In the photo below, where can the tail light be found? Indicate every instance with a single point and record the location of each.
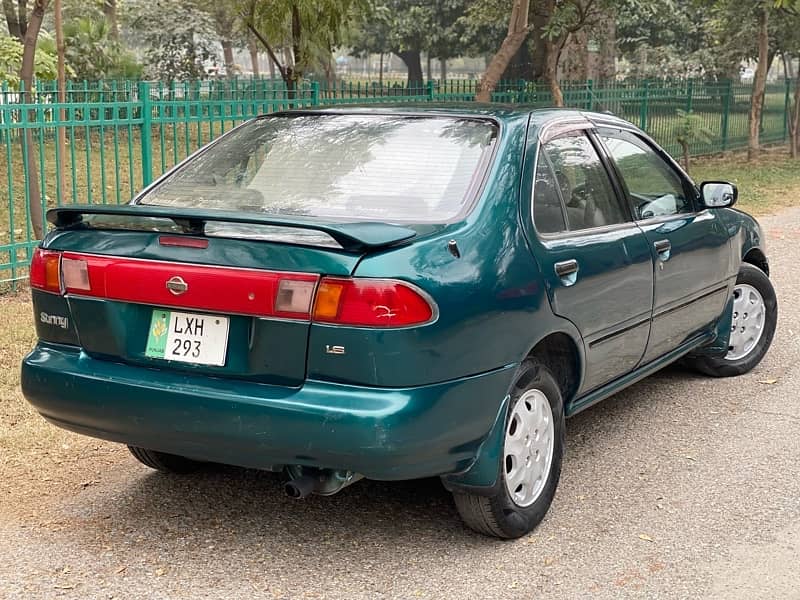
(381, 303)
(45, 270)
(371, 303)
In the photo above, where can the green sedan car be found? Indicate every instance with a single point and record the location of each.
(393, 293)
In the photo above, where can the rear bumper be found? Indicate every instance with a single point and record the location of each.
(381, 433)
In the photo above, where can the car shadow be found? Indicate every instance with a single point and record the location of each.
(221, 505)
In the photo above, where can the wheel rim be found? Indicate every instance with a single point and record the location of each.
(749, 316)
(528, 447)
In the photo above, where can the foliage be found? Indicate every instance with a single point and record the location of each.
(92, 53)
(176, 36)
(401, 26)
(690, 129)
(11, 60)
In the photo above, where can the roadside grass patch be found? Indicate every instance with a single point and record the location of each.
(22, 430)
(767, 184)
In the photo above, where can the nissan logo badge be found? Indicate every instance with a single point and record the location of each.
(177, 285)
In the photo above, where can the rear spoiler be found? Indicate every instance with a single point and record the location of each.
(352, 237)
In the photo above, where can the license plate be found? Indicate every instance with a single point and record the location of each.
(188, 337)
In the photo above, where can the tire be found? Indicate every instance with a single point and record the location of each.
(735, 363)
(503, 514)
(161, 461)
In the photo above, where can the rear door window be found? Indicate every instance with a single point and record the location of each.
(548, 211)
(586, 190)
(339, 167)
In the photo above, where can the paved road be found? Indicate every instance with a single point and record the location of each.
(679, 487)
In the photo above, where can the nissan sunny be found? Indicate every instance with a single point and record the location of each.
(393, 293)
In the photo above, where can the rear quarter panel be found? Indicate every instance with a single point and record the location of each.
(492, 305)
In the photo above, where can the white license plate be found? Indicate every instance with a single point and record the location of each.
(188, 337)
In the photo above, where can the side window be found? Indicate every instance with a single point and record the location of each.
(589, 199)
(656, 190)
(548, 215)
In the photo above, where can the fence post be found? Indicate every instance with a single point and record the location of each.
(786, 105)
(431, 90)
(643, 109)
(726, 111)
(689, 95)
(589, 94)
(146, 135)
(315, 93)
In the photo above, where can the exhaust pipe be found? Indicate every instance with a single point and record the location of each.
(301, 487)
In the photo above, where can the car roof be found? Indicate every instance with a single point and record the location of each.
(501, 112)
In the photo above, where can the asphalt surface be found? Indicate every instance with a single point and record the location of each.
(679, 487)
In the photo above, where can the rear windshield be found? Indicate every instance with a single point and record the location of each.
(338, 167)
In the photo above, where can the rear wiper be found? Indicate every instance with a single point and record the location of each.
(352, 237)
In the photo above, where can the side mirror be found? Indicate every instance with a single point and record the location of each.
(718, 194)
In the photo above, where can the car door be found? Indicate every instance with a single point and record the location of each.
(690, 247)
(596, 262)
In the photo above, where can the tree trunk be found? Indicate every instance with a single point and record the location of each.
(685, 152)
(607, 69)
(22, 18)
(252, 47)
(794, 121)
(12, 20)
(443, 68)
(61, 134)
(26, 76)
(553, 48)
(300, 62)
(551, 73)
(110, 13)
(576, 57)
(518, 30)
(413, 62)
(759, 82)
(227, 54)
(539, 43)
(380, 72)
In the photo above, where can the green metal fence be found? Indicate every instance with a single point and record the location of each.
(122, 135)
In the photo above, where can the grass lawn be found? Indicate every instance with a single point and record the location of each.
(767, 184)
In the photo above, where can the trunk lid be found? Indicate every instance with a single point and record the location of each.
(207, 301)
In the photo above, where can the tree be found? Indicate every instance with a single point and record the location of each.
(311, 29)
(690, 130)
(551, 24)
(225, 15)
(786, 30)
(11, 61)
(110, 13)
(177, 37)
(759, 81)
(93, 53)
(408, 28)
(518, 30)
(16, 18)
(25, 28)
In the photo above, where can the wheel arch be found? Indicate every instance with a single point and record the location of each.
(758, 259)
(563, 355)
(561, 350)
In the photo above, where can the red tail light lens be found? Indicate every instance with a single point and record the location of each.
(46, 270)
(371, 303)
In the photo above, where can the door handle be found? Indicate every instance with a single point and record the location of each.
(567, 271)
(663, 248)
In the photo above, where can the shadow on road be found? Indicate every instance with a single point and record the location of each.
(226, 505)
